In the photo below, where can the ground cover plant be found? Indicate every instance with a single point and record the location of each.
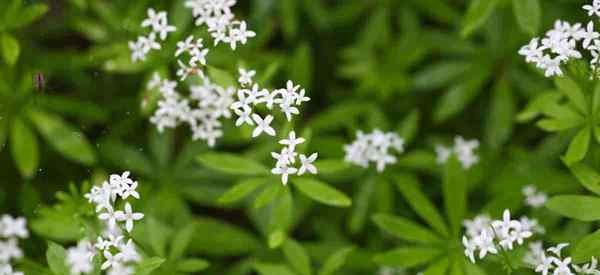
(299, 137)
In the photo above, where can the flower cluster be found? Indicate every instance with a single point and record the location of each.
(464, 150)
(118, 253)
(555, 263)
(488, 236)
(287, 99)
(197, 56)
(287, 157)
(221, 22)
(561, 44)
(533, 197)
(374, 147)
(202, 110)
(157, 21)
(11, 229)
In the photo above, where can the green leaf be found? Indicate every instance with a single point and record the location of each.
(578, 207)
(360, 207)
(272, 269)
(147, 266)
(221, 77)
(28, 15)
(578, 147)
(455, 194)
(477, 14)
(500, 122)
(596, 102)
(3, 133)
(301, 65)
(241, 190)
(440, 74)
(217, 238)
(586, 248)
(528, 14)
(181, 241)
(462, 93)
(587, 176)
(572, 91)
(409, 187)
(437, 268)
(407, 257)
(267, 195)
(63, 138)
(192, 265)
(281, 217)
(321, 192)
(288, 13)
(10, 49)
(555, 125)
(409, 126)
(297, 257)
(24, 148)
(127, 157)
(404, 229)
(160, 234)
(56, 257)
(232, 164)
(335, 261)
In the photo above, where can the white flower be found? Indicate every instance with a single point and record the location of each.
(292, 141)
(593, 9)
(153, 19)
(284, 171)
(545, 265)
(243, 114)
(263, 125)
(109, 216)
(128, 216)
(79, 258)
(246, 76)
(588, 35)
(556, 250)
(307, 164)
(463, 149)
(13, 227)
(534, 198)
(470, 248)
(138, 52)
(374, 147)
(110, 260)
(129, 253)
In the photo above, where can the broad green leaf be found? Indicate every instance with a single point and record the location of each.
(409, 126)
(404, 229)
(24, 148)
(578, 207)
(321, 192)
(217, 238)
(455, 194)
(528, 14)
(147, 266)
(181, 241)
(587, 176)
(500, 122)
(10, 49)
(56, 255)
(407, 257)
(360, 207)
(579, 146)
(586, 248)
(462, 93)
(409, 187)
(192, 265)
(267, 195)
(477, 14)
(241, 190)
(272, 269)
(65, 139)
(437, 268)
(572, 91)
(335, 261)
(232, 164)
(297, 257)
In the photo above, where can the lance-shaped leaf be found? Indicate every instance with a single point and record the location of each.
(572, 91)
(297, 256)
(232, 164)
(587, 176)
(241, 190)
(407, 256)
(477, 14)
(584, 208)
(24, 148)
(404, 228)
(579, 146)
(528, 14)
(455, 194)
(335, 261)
(321, 192)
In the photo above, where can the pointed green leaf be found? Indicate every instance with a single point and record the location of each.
(221, 77)
(409, 126)
(241, 190)
(477, 14)
(500, 121)
(409, 187)
(24, 148)
(192, 265)
(267, 195)
(281, 218)
(407, 257)
(272, 269)
(437, 268)
(232, 164)
(455, 194)
(181, 241)
(596, 102)
(587, 176)
(361, 203)
(297, 257)
(404, 229)
(587, 247)
(578, 207)
(65, 139)
(10, 49)
(578, 147)
(570, 89)
(321, 192)
(147, 266)
(335, 261)
(456, 99)
(56, 257)
(556, 125)
(217, 238)
(528, 14)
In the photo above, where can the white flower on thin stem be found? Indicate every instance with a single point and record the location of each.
(593, 9)
(263, 125)
(589, 35)
(243, 114)
(110, 260)
(109, 216)
(292, 141)
(284, 171)
(128, 216)
(307, 164)
(246, 76)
